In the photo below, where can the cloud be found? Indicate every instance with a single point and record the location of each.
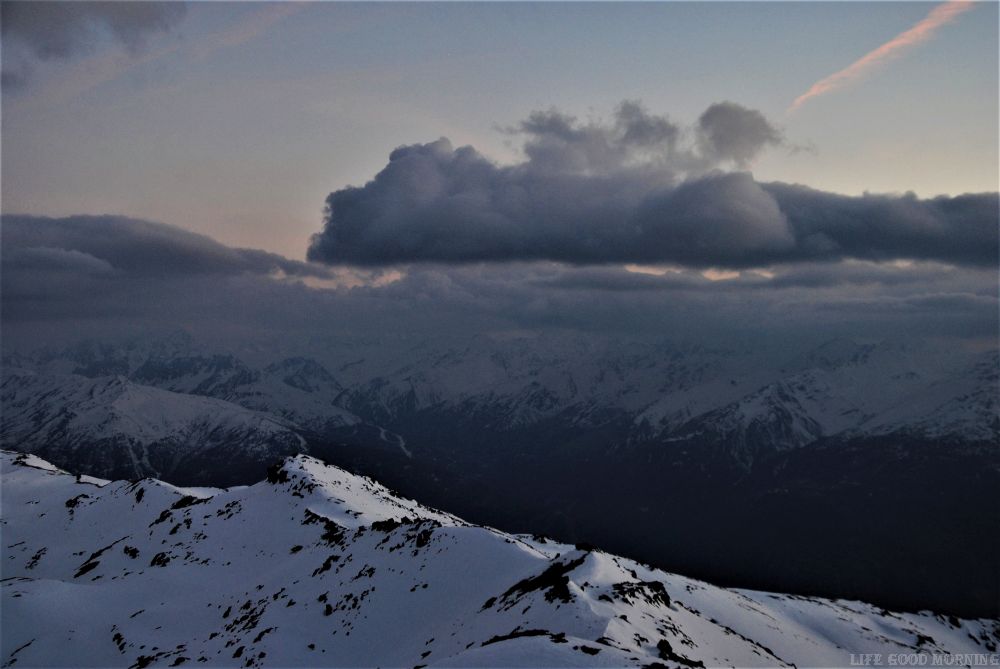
(56, 261)
(34, 31)
(962, 230)
(727, 131)
(134, 247)
(631, 191)
(557, 143)
(107, 65)
(815, 279)
(108, 277)
(717, 220)
(922, 31)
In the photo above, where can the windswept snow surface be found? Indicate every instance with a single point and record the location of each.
(319, 567)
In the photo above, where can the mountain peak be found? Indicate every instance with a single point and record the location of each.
(349, 499)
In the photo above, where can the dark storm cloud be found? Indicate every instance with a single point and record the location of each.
(632, 191)
(42, 30)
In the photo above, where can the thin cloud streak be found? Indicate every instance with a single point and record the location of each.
(252, 26)
(922, 31)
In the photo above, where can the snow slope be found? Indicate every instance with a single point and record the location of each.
(318, 567)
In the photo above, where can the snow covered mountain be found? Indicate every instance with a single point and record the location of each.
(163, 408)
(881, 392)
(514, 384)
(296, 388)
(318, 567)
(115, 426)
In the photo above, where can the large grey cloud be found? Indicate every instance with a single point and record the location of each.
(42, 30)
(632, 190)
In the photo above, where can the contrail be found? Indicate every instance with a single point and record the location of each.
(923, 30)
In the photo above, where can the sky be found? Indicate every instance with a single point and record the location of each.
(239, 118)
(513, 164)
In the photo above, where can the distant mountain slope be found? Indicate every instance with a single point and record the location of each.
(513, 385)
(664, 394)
(879, 391)
(298, 389)
(963, 405)
(120, 428)
(318, 567)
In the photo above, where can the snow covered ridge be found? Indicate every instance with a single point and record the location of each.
(318, 567)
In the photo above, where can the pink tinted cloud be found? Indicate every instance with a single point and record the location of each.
(922, 31)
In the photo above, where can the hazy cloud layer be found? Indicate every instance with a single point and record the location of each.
(108, 276)
(637, 189)
(42, 30)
